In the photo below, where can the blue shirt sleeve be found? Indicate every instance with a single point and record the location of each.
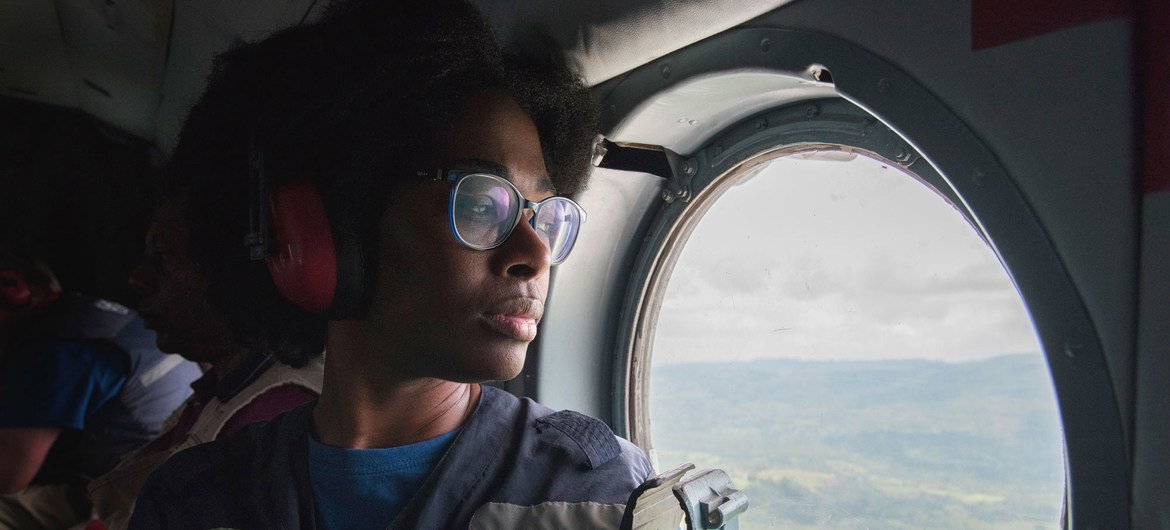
(59, 383)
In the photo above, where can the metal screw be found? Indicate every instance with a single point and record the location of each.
(689, 167)
(667, 196)
(902, 155)
(978, 177)
(766, 45)
(683, 193)
(884, 86)
(812, 111)
(762, 124)
(664, 70)
(868, 126)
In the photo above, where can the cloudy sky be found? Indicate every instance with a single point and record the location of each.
(829, 260)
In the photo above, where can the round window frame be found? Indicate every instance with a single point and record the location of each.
(1097, 469)
(733, 157)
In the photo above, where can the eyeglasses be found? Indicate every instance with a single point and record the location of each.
(484, 210)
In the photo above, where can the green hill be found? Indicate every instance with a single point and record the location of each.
(884, 444)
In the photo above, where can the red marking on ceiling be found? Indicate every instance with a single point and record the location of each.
(1153, 57)
(996, 22)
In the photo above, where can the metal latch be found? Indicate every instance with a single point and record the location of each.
(711, 500)
(706, 500)
(653, 159)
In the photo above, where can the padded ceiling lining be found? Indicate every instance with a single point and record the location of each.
(683, 117)
(117, 50)
(605, 38)
(33, 62)
(139, 65)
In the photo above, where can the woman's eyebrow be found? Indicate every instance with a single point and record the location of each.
(486, 166)
(495, 168)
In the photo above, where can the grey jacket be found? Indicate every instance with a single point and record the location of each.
(515, 464)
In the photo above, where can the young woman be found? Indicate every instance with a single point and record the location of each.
(413, 185)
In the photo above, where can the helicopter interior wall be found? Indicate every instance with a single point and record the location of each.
(1151, 426)
(1055, 110)
(1062, 128)
(1078, 181)
(1078, 184)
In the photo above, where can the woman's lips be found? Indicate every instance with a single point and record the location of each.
(516, 327)
(515, 318)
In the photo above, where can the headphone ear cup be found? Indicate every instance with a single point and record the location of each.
(14, 291)
(353, 272)
(15, 294)
(303, 261)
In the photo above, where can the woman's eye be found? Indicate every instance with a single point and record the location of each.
(483, 205)
(479, 207)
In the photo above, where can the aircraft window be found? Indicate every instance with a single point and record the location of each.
(840, 339)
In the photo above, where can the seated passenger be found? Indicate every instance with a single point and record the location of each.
(252, 378)
(83, 384)
(416, 177)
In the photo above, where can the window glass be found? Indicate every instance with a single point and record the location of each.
(838, 338)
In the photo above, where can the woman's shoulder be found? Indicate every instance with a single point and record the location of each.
(573, 450)
(559, 469)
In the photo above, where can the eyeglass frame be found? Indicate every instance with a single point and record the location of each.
(453, 176)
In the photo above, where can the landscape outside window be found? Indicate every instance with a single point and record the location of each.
(839, 339)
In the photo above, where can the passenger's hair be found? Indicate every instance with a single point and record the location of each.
(355, 103)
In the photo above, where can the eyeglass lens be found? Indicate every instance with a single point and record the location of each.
(485, 209)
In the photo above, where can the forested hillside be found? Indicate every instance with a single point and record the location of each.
(885, 444)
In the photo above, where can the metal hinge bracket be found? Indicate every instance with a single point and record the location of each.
(677, 170)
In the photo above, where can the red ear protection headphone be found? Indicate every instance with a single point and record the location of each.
(15, 293)
(311, 265)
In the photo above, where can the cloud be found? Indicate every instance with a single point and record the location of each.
(828, 260)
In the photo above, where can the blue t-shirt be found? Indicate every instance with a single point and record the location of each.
(366, 488)
(59, 383)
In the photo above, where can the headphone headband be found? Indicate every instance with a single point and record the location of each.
(257, 238)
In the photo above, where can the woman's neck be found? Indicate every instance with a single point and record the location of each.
(375, 410)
